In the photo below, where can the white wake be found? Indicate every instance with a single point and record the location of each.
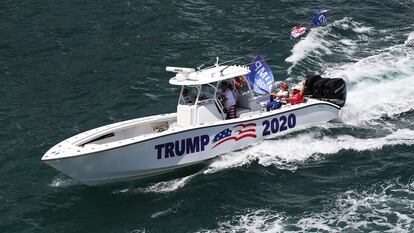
(385, 207)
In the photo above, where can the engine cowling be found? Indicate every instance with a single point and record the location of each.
(332, 90)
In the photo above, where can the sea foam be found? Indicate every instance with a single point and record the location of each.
(378, 85)
(383, 207)
(320, 41)
(299, 149)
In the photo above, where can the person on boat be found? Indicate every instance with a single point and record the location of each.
(282, 95)
(297, 94)
(273, 104)
(279, 98)
(233, 90)
(228, 100)
(239, 83)
(187, 97)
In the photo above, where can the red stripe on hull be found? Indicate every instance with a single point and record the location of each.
(245, 125)
(236, 138)
(240, 131)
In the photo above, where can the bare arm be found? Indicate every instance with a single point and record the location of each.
(302, 90)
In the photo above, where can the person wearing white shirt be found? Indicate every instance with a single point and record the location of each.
(283, 94)
(228, 100)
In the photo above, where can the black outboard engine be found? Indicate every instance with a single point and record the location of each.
(331, 90)
(335, 91)
(319, 87)
(310, 81)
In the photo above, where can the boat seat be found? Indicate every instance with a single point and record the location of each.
(240, 111)
(243, 101)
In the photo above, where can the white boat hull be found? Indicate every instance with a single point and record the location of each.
(188, 146)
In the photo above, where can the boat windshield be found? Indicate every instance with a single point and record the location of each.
(191, 95)
(188, 95)
(207, 92)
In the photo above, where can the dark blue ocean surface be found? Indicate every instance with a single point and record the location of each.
(69, 66)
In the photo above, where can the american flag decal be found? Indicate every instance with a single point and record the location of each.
(236, 133)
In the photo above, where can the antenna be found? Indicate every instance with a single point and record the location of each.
(200, 66)
(181, 72)
(221, 71)
(217, 60)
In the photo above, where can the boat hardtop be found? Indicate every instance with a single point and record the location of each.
(188, 76)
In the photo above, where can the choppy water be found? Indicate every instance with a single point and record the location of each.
(66, 67)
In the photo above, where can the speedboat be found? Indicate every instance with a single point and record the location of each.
(196, 132)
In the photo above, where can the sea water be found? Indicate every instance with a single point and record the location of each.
(69, 66)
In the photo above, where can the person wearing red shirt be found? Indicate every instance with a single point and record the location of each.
(297, 94)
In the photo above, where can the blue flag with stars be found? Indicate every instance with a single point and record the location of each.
(223, 134)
